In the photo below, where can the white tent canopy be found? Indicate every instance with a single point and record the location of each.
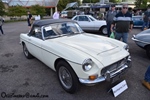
(73, 4)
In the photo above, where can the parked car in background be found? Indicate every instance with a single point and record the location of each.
(137, 21)
(76, 56)
(89, 23)
(64, 14)
(143, 40)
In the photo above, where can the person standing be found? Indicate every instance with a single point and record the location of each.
(29, 19)
(109, 18)
(123, 24)
(1, 24)
(56, 15)
(146, 19)
(146, 81)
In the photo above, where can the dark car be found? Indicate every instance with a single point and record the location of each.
(137, 21)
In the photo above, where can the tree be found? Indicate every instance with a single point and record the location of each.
(94, 1)
(2, 8)
(19, 11)
(16, 11)
(114, 1)
(142, 4)
(90, 1)
(37, 10)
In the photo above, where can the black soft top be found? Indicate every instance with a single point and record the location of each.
(50, 21)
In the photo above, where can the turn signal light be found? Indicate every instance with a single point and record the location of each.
(92, 77)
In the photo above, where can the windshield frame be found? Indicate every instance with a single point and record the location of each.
(55, 28)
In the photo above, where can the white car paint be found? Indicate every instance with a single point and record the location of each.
(76, 48)
(101, 49)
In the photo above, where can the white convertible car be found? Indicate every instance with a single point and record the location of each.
(76, 56)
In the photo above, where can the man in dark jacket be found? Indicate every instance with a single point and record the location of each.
(146, 19)
(123, 24)
(1, 23)
(29, 19)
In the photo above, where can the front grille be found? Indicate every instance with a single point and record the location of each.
(115, 66)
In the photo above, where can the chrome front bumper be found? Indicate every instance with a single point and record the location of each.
(108, 76)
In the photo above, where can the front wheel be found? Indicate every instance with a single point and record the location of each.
(67, 77)
(103, 30)
(26, 52)
(148, 51)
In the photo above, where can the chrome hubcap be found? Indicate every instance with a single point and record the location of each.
(104, 30)
(25, 50)
(65, 77)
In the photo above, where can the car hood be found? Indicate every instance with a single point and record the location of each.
(143, 36)
(91, 44)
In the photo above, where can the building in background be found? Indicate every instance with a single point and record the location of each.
(28, 3)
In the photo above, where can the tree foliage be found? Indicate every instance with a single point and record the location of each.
(37, 10)
(16, 11)
(2, 8)
(90, 1)
(94, 1)
(141, 4)
(114, 1)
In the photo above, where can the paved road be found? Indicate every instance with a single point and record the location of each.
(20, 76)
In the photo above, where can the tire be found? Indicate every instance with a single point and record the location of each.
(26, 52)
(67, 77)
(103, 30)
(148, 51)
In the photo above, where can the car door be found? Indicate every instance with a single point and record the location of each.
(48, 45)
(85, 23)
(35, 40)
(140, 21)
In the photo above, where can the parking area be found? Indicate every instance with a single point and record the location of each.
(22, 77)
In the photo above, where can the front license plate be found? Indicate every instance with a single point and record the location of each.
(116, 78)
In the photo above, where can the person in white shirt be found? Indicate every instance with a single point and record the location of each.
(56, 15)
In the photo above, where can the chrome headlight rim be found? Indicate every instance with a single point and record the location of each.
(87, 64)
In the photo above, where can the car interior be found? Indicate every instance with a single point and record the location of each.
(36, 32)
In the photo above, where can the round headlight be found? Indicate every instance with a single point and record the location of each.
(87, 64)
(87, 67)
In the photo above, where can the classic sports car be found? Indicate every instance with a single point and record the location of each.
(143, 40)
(89, 23)
(76, 56)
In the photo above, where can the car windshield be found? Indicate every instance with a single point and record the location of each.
(92, 18)
(61, 29)
(137, 18)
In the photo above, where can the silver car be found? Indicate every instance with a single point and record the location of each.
(143, 40)
(88, 23)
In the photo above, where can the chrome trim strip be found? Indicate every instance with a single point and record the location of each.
(118, 71)
(86, 81)
(139, 41)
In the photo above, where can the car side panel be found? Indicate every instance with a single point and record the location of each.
(86, 25)
(35, 46)
(49, 54)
